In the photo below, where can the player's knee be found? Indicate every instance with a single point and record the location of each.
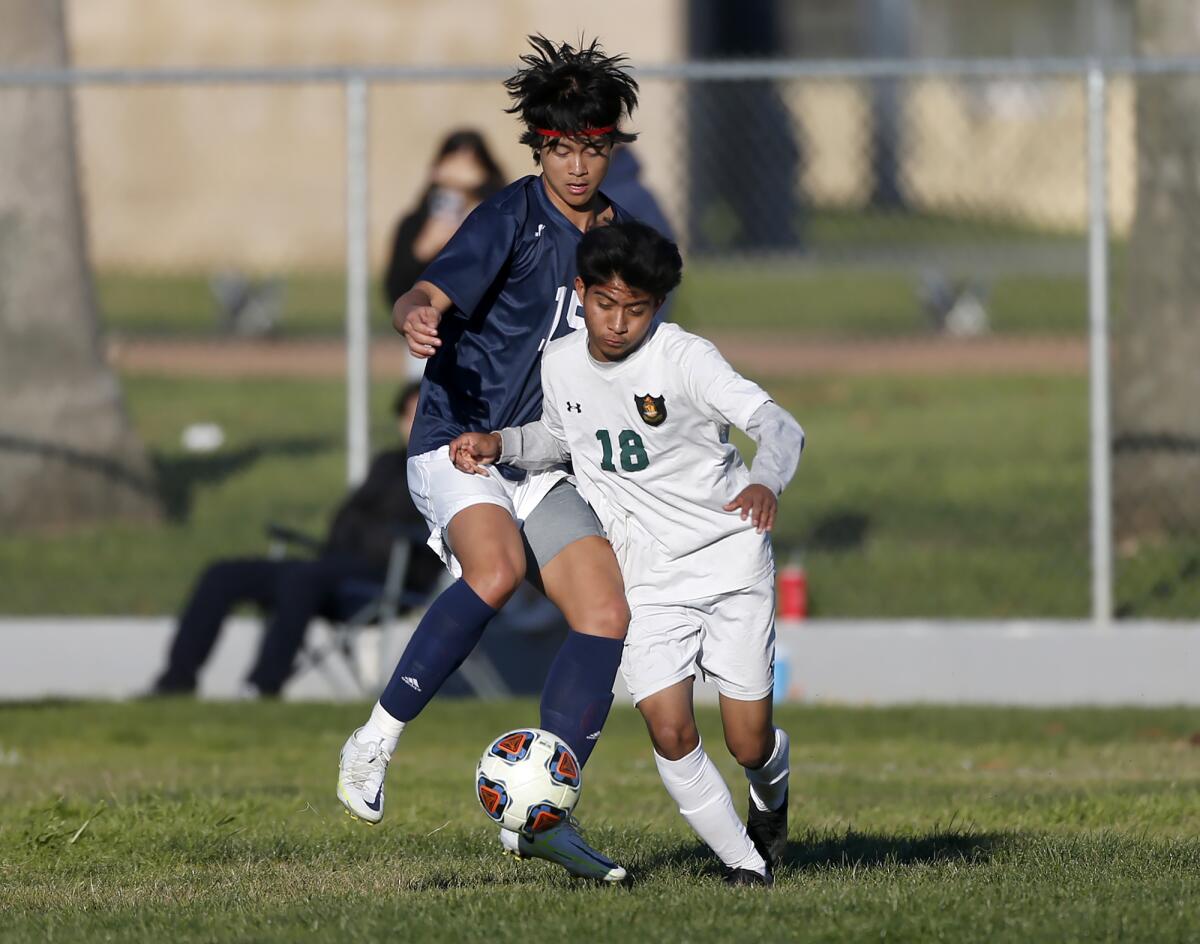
(751, 751)
(496, 581)
(609, 618)
(674, 740)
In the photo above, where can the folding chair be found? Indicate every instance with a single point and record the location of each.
(366, 610)
(360, 615)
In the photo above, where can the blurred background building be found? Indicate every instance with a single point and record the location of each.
(267, 144)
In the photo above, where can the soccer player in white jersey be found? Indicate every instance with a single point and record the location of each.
(643, 412)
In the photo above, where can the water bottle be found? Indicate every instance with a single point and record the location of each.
(793, 591)
(782, 673)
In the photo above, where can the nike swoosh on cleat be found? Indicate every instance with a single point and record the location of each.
(595, 857)
(374, 804)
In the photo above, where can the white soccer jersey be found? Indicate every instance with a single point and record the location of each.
(649, 440)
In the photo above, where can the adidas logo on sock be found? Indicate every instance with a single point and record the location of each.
(594, 736)
(411, 682)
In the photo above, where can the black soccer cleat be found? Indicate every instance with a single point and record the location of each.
(768, 830)
(748, 877)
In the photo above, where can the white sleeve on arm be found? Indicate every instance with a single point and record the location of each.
(780, 441)
(532, 446)
(721, 392)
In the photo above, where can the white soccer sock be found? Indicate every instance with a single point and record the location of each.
(769, 783)
(382, 727)
(697, 787)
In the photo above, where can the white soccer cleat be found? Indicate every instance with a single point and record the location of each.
(361, 769)
(564, 846)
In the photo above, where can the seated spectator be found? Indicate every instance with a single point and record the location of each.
(463, 175)
(290, 592)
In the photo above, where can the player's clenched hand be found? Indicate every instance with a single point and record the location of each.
(470, 452)
(758, 503)
(420, 329)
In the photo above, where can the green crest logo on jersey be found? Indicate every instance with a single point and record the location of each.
(653, 410)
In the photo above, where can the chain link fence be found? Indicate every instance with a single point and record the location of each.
(899, 255)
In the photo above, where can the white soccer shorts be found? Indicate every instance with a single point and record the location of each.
(728, 638)
(440, 491)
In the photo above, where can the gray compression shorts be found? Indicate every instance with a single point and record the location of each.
(561, 518)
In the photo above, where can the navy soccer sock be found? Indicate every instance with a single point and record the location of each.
(578, 690)
(449, 630)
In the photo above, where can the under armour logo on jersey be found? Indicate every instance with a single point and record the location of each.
(574, 407)
(541, 226)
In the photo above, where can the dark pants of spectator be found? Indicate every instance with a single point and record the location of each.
(289, 592)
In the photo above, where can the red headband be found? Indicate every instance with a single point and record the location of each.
(581, 133)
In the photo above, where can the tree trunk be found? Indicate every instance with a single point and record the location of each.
(1156, 341)
(68, 453)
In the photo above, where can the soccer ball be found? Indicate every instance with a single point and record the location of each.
(528, 780)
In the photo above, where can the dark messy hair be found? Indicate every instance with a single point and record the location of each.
(637, 254)
(562, 88)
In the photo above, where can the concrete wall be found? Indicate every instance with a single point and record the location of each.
(1000, 148)
(253, 177)
(827, 662)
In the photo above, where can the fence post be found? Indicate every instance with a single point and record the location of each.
(1098, 387)
(358, 365)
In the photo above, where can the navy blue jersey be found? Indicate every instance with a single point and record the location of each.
(510, 272)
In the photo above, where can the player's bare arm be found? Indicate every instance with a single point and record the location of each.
(537, 445)
(417, 314)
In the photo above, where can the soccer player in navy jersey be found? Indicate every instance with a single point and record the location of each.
(482, 313)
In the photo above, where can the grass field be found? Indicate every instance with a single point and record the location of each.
(939, 496)
(918, 496)
(765, 297)
(859, 276)
(205, 822)
(776, 298)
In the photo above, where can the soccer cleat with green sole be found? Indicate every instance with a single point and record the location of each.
(564, 846)
(362, 766)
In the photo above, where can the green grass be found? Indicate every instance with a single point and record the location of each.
(858, 276)
(876, 302)
(918, 496)
(136, 304)
(283, 460)
(924, 496)
(864, 230)
(202, 822)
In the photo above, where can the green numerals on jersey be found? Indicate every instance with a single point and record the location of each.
(633, 451)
